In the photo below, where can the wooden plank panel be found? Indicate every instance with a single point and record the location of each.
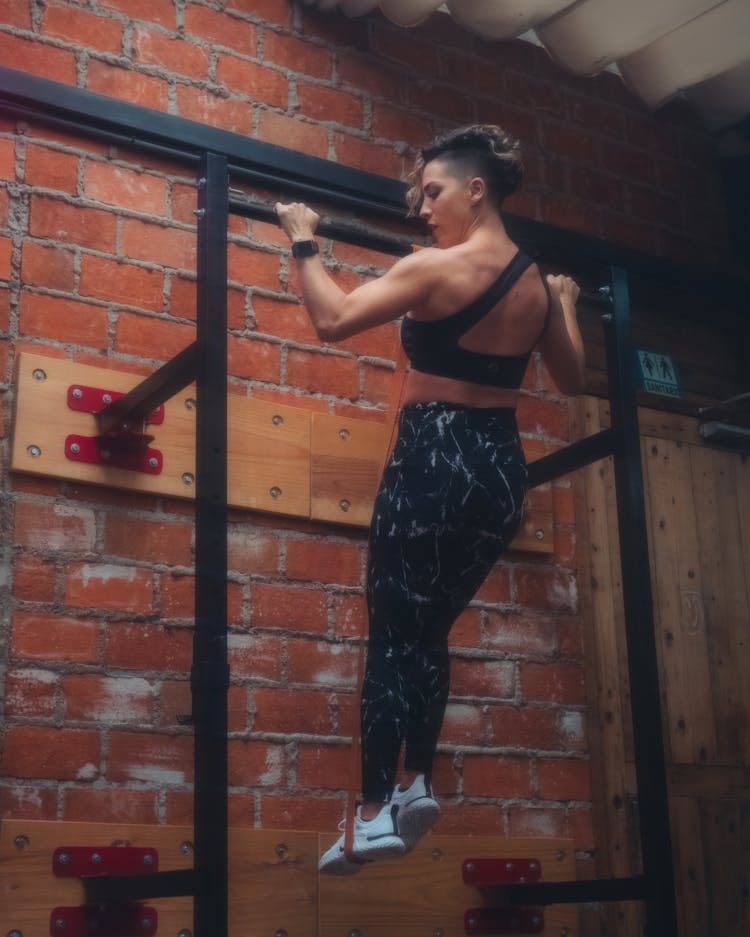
(726, 579)
(423, 894)
(689, 868)
(725, 828)
(680, 619)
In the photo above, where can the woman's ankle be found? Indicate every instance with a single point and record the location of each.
(369, 809)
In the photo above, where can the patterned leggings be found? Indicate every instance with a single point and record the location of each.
(450, 501)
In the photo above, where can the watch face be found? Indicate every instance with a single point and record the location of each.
(304, 248)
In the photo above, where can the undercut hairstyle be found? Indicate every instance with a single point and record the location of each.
(483, 150)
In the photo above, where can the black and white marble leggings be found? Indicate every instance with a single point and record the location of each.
(451, 499)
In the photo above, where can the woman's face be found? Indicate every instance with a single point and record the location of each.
(448, 205)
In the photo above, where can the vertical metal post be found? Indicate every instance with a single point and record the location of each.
(656, 845)
(210, 674)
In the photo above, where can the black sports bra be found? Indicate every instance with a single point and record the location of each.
(432, 345)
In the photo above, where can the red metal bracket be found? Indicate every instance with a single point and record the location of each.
(85, 861)
(95, 399)
(503, 921)
(108, 450)
(481, 872)
(96, 921)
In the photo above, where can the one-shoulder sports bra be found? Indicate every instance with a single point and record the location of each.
(432, 345)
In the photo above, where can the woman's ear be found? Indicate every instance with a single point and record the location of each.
(477, 189)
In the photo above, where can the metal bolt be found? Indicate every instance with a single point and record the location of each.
(199, 212)
(560, 856)
(344, 433)
(604, 291)
(21, 841)
(96, 858)
(281, 933)
(539, 535)
(354, 932)
(34, 451)
(188, 478)
(14, 933)
(202, 182)
(469, 866)
(39, 374)
(533, 866)
(563, 932)
(153, 462)
(607, 317)
(189, 403)
(185, 933)
(77, 393)
(275, 492)
(472, 922)
(75, 448)
(148, 859)
(59, 923)
(344, 504)
(106, 398)
(508, 866)
(277, 419)
(281, 850)
(536, 921)
(146, 923)
(186, 848)
(438, 932)
(437, 855)
(63, 858)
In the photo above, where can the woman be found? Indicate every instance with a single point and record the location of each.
(452, 496)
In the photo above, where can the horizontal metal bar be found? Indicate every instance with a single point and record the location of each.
(103, 889)
(575, 456)
(335, 229)
(543, 893)
(154, 390)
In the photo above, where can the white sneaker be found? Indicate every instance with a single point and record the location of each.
(373, 839)
(418, 811)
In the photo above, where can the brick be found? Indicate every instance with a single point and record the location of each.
(253, 551)
(566, 212)
(149, 647)
(3, 207)
(580, 827)
(109, 805)
(158, 541)
(629, 163)
(48, 266)
(256, 764)
(254, 360)
(107, 700)
(463, 725)
(207, 108)
(559, 683)
(283, 320)
(377, 383)
(63, 320)
(49, 168)
(254, 81)
(255, 656)
(362, 154)
(291, 711)
(72, 224)
(470, 818)
(589, 112)
(321, 663)
(125, 84)
(496, 776)
(650, 206)
(26, 802)
(329, 374)
(376, 77)
(60, 754)
(524, 633)
(495, 589)
(53, 637)
(349, 613)
(598, 187)
(546, 589)
(292, 608)
(403, 47)
(526, 728)
(13, 13)
(564, 779)
(177, 595)
(6, 248)
(157, 244)
(547, 821)
(448, 103)
(329, 104)
(31, 694)
(126, 188)
(149, 337)
(122, 283)
(54, 526)
(303, 58)
(179, 56)
(161, 12)
(160, 760)
(290, 812)
(324, 767)
(109, 588)
(39, 58)
(324, 561)
(253, 267)
(183, 299)
(83, 29)
(221, 29)
(572, 143)
(534, 95)
(294, 133)
(33, 579)
(482, 678)
(631, 233)
(467, 630)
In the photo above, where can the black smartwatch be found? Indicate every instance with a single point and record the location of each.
(304, 248)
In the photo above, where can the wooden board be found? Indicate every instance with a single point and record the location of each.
(274, 886)
(282, 459)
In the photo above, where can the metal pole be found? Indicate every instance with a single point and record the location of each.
(210, 673)
(653, 802)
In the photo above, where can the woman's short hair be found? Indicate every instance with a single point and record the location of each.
(479, 150)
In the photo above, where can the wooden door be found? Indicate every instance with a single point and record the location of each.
(698, 513)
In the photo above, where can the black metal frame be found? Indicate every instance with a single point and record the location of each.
(222, 155)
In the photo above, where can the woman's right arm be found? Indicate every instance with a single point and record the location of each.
(561, 345)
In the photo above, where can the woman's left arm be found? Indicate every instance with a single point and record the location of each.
(336, 314)
(562, 345)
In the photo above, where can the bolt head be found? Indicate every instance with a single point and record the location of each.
(77, 393)
(63, 858)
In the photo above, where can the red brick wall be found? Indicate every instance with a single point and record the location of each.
(97, 254)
